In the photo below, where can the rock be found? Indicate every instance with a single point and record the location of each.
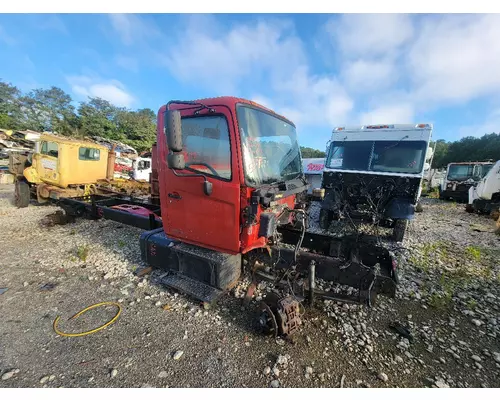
(496, 357)
(25, 284)
(309, 370)
(476, 358)
(440, 384)
(398, 359)
(383, 377)
(9, 374)
(178, 354)
(90, 379)
(275, 383)
(276, 372)
(163, 374)
(477, 322)
(113, 373)
(281, 360)
(158, 303)
(44, 379)
(267, 370)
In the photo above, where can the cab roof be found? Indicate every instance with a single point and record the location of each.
(231, 102)
(46, 136)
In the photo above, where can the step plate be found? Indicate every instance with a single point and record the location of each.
(193, 288)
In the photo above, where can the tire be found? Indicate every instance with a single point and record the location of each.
(325, 217)
(22, 194)
(469, 208)
(400, 226)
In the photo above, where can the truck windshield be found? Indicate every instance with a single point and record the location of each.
(270, 149)
(464, 172)
(378, 156)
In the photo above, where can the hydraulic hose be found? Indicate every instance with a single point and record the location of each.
(106, 303)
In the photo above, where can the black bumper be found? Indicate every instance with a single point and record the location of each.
(461, 196)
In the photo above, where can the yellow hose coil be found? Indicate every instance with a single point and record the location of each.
(106, 303)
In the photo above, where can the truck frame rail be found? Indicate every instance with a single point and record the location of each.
(123, 209)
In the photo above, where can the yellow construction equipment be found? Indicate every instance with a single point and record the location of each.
(62, 167)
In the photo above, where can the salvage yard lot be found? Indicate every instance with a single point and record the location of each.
(449, 297)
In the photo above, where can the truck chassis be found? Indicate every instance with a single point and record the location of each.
(294, 262)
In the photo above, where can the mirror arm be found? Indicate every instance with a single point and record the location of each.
(189, 175)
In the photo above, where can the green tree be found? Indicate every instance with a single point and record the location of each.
(55, 110)
(440, 153)
(308, 152)
(10, 113)
(97, 118)
(137, 127)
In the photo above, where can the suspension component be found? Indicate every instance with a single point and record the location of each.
(279, 317)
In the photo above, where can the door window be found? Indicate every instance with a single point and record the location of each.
(207, 146)
(50, 149)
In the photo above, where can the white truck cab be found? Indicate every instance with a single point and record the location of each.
(460, 177)
(485, 196)
(141, 168)
(375, 173)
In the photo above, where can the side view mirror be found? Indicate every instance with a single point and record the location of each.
(207, 188)
(176, 161)
(173, 130)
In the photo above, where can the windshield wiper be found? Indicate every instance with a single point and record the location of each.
(193, 103)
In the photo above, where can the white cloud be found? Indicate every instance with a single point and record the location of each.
(312, 99)
(398, 113)
(370, 35)
(456, 58)
(367, 75)
(133, 28)
(112, 90)
(266, 54)
(221, 60)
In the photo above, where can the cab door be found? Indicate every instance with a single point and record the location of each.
(48, 162)
(210, 221)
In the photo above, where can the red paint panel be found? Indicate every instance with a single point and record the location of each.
(190, 215)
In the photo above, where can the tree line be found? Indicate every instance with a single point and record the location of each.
(52, 110)
(468, 148)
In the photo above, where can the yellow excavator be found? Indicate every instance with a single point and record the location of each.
(65, 167)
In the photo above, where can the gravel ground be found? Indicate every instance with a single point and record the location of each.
(448, 298)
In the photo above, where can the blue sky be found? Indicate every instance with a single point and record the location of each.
(321, 71)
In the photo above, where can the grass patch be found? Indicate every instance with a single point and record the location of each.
(439, 301)
(434, 193)
(82, 252)
(473, 252)
(472, 304)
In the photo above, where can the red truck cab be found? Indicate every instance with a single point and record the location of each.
(240, 172)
